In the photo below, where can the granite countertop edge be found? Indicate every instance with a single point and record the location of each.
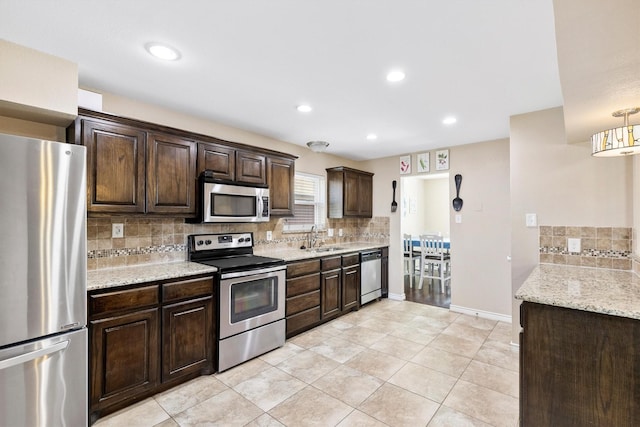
(604, 291)
(131, 275)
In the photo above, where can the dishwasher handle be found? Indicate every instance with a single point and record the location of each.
(370, 256)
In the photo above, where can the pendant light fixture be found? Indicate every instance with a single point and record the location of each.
(620, 141)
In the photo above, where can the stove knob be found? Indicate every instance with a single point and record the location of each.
(248, 239)
(200, 242)
(240, 240)
(208, 242)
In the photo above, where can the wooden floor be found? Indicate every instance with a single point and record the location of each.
(429, 294)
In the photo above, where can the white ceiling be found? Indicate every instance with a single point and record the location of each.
(248, 63)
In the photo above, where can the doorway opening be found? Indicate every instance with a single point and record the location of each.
(424, 206)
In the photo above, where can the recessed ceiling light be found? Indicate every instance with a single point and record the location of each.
(395, 76)
(304, 108)
(449, 120)
(372, 136)
(162, 51)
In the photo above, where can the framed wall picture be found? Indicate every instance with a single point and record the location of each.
(405, 165)
(423, 162)
(442, 160)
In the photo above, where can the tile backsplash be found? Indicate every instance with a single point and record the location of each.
(157, 240)
(601, 247)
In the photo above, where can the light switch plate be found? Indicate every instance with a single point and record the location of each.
(117, 231)
(340, 232)
(330, 232)
(269, 235)
(532, 220)
(458, 219)
(573, 245)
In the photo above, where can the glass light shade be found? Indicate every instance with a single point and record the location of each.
(620, 141)
(318, 146)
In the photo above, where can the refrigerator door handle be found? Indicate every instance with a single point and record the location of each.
(27, 357)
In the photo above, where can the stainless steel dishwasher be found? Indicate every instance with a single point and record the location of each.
(370, 275)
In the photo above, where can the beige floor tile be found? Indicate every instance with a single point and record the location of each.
(377, 364)
(442, 361)
(467, 332)
(428, 324)
(168, 423)
(499, 379)
(360, 419)
(310, 407)
(502, 332)
(381, 325)
(499, 354)
(269, 388)
(396, 316)
(476, 322)
(336, 327)
(484, 404)
(281, 354)
(338, 349)
(398, 347)
(456, 345)
(265, 420)
(356, 317)
(399, 407)
(189, 394)
(308, 366)
(447, 417)
(142, 414)
(243, 372)
(363, 336)
(426, 382)
(419, 336)
(349, 385)
(310, 338)
(225, 409)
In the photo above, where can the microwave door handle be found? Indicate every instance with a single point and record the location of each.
(260, 206)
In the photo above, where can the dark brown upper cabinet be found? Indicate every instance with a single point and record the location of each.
(349, 193)
(251, 167)
(218, 159)
(281, 178)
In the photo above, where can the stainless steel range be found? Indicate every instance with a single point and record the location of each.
(251, 296)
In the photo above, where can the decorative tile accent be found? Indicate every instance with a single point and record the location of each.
(601, 247)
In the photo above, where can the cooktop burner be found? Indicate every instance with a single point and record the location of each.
(228, 252)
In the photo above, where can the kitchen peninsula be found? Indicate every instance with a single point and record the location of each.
(579, 347)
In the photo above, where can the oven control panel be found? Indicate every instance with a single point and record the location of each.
(207, 242)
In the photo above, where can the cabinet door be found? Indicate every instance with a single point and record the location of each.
(171, 175)
(250, 167)
(365, 196)
(218, 159)
(331, 295)
(350, 287)
(281, 176)
(124, 358)
(352, 199)
(115, 167)
(187, 338)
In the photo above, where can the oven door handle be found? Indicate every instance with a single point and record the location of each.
(252, 272)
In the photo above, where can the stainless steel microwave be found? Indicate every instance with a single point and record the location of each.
(226, 202)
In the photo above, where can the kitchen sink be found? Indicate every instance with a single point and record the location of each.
(324, 249)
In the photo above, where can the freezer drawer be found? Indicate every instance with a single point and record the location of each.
(44, 383)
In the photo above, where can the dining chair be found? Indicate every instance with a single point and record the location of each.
(410, 257)
(433, 255)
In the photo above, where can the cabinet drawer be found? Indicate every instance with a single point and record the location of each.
(176, 291)
(351, 259)
(330, 263)
(302, 268)
(302, 321)
(300, 285)
(131, 299)
(303, 302)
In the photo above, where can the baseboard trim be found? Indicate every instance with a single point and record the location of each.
(397, 297)
(480, 313)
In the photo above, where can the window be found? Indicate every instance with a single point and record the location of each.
(309, 206)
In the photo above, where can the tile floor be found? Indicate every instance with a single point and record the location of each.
(392, 363)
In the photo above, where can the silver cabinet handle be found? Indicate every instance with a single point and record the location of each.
(23, 358)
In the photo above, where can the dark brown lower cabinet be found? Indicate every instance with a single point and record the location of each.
(578, 368)
(147, 338)
(330, 285)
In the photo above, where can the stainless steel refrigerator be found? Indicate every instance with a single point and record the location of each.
(43, 271)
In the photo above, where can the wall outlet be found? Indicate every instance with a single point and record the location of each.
(330, 232)
(269, 235)
(340, 232)
(531, 220)
(574, 246)
(458, 219)
(117, 231)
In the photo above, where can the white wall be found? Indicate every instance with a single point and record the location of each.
(561, 183)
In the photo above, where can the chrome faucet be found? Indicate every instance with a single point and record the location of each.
(313, 236)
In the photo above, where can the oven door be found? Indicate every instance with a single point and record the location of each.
(250, 299)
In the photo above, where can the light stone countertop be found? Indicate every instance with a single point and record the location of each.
(121, 276)
(612, 292)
